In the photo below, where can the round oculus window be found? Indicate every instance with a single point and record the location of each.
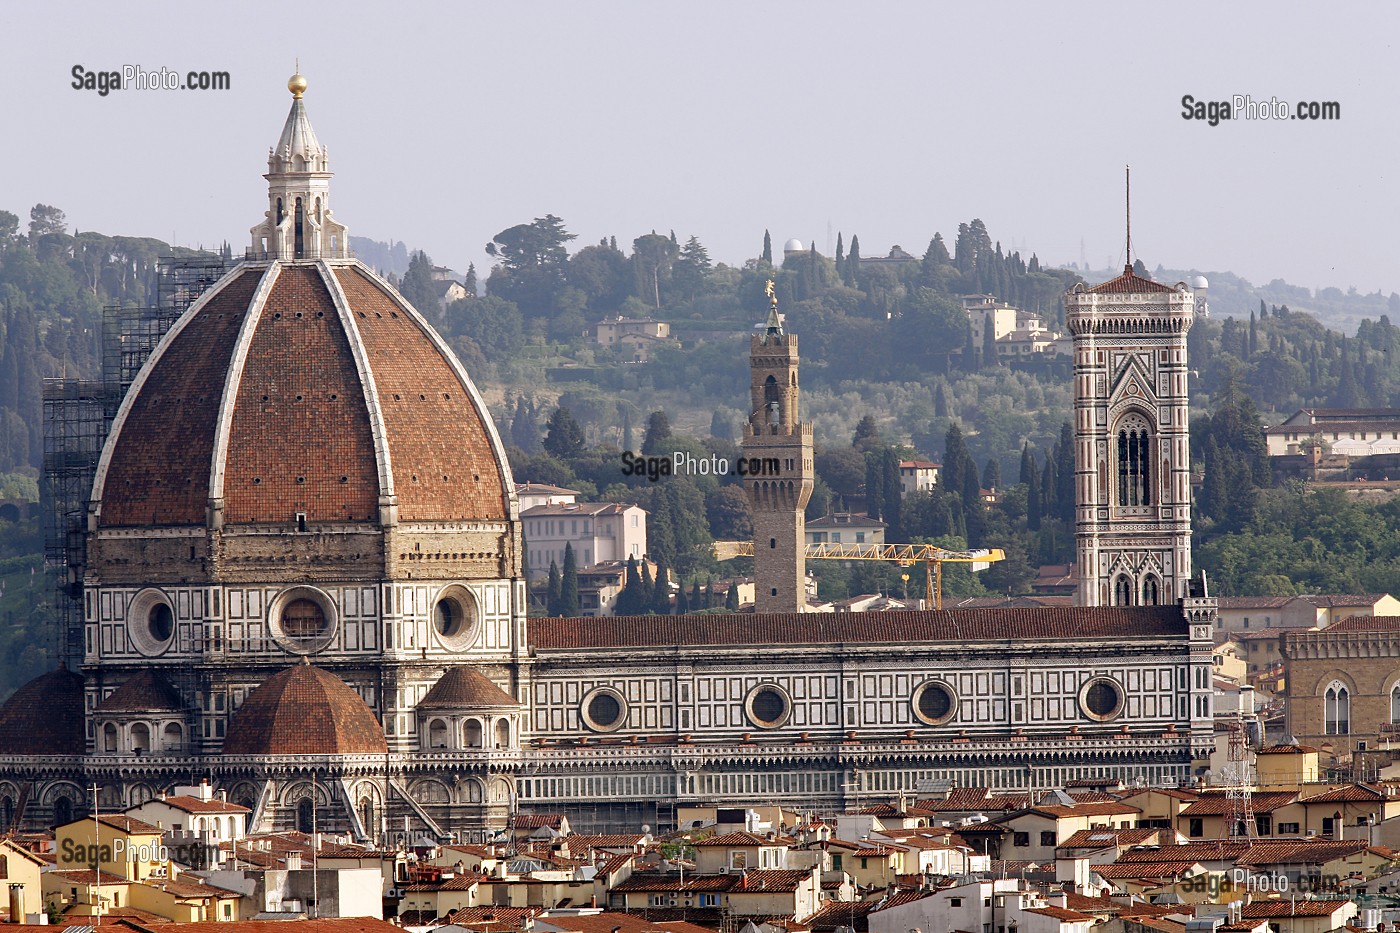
(302, 620)
(1101, 698)
(768, 706)
(456, 621)
(151, 622)
(935, 703)
(604, 709)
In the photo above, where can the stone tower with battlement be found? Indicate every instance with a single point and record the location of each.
(1132, 444)
(778, 449)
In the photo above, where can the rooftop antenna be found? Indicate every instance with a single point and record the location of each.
(1128, 205)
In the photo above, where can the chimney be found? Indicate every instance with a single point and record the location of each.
(17, 903)
(293, 861)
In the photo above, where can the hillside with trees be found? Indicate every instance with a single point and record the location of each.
(889, 371)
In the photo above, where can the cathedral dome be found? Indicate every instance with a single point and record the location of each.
(146, 692)
(301, 388)
(44, 717)
(463, 687)
(304, 710)
(306, 389)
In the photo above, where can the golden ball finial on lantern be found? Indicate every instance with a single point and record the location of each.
(297, 85)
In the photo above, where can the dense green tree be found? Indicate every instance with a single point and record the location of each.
(691, 268)
(563, 437)
(731, 598)
(652, 258)
(867, 436)
(658, 434)
(419, 287)
(661, 590)
(767, 254)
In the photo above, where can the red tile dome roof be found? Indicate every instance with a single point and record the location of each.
(146, 692)
(301, 387)
(464, 687)
(304, 710)
(44, 717)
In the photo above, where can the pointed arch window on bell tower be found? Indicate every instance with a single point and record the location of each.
(1123, 590)
(772, 400)
(1134, 455)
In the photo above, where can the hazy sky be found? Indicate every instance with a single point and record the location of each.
(448, 123)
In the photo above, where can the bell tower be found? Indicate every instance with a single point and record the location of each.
(1131, 443)
(298, 223)
(778, 468)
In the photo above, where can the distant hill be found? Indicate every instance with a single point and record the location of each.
(1233, 296)
(387, 258)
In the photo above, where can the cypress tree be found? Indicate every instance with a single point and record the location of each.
(1027, 465)
(661, 590)
(553, 590)
(568, 590)
(731, 598)
(695, 597)
(767, 248)
(1033, 510)
(644, 594)
(632, 585)
(991, 474)
(840, 258)
(682, 603)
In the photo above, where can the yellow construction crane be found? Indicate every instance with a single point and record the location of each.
(905, 555)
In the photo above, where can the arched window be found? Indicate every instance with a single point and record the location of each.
(172, 737)
(1151, 594)
(471, 733)
(62, 811)
(109, 738)
(367, 814)
(7, 813)
(771, 399)
(140, 738)
(306, 815)
(1123, 590)
(1134, 463)
(437, 734)
(299, 230)
(502, 733)
(1395, 703)
(1336, 701)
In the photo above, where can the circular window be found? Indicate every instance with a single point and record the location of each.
(604, 709)
(1101, 699)
(935, 703)
(456, 621)
(768, 706)
(302, 620)
(151, 622)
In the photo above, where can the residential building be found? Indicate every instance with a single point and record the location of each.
(598, 531)
(610, 331)
(846, 528)
(1356, 432)
(918, 476)
(533, 494)
(1343, 684)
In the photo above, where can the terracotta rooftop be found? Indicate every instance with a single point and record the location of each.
(304, 710)
(1103, 838)
(1129, 283)
(464, 687)
(45, 717)
(1348, 793)
(1367, 625)
(191, 804)
(1292, 907)
(963, 625)
(1218, 804)
(148, 690)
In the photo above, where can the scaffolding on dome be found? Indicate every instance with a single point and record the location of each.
(78, 416)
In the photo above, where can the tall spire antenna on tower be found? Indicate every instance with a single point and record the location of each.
(1128, 204)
